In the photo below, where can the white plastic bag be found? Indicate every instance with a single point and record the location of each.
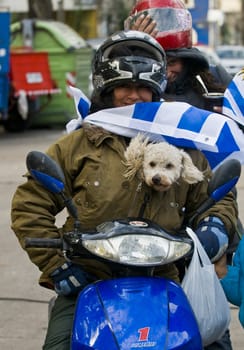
(206, 295)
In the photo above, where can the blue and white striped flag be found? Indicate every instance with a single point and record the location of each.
(82, 105)
(233, 105)
(178, 123)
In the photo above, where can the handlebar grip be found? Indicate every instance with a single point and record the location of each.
(43, 243)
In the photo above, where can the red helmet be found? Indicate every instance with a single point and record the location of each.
(174, 21)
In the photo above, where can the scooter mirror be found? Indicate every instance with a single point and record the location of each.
(46, 171)
(49, 174)
(42, 163)
(224, 179)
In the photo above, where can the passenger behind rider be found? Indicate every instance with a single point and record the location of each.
(171, 24)
(92, 161)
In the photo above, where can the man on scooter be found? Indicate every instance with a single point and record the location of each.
(128, 68)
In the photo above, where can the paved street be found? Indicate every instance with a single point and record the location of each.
(23, 304)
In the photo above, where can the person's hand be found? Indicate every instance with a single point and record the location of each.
(221, 267)
(141, 23)
(213, 236)
(218, 109)
(69, 279)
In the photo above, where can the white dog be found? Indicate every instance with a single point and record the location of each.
(159, 164)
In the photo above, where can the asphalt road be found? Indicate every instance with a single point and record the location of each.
(23, 304)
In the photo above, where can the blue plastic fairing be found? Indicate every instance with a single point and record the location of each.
(132, 313)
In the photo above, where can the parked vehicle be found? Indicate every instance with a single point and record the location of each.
(38, 60)
(132, 309)
(69, 60)
(31, 88)
(232, 57)
(24, 77)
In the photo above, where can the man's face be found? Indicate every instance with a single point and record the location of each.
(174, 68)
(129, 94)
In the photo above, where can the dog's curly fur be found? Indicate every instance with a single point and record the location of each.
(159, 164)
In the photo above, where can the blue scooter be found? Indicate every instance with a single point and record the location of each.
(133, 309)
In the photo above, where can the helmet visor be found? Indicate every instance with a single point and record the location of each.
(140, 70)
(169, 20)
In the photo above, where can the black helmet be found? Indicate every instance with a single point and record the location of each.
(129, 56)
(195, 58)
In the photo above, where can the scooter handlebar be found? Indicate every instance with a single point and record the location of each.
(43, 243)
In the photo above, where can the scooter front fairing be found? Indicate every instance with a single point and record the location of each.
(134, 312)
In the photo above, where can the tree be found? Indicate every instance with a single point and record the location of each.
(40, 9)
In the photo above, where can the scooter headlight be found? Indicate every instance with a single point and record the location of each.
(138, 250)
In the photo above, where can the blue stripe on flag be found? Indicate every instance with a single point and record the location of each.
(225, 148)
(226, 142)
(193, 119)
(214, 158)
(146, 111)
(226, 103)
(182, 143)
(83, 107)
(234, 91)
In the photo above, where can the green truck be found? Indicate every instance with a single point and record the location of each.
(52, 54)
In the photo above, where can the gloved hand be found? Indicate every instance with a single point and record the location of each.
(69, 279)
(213, 236)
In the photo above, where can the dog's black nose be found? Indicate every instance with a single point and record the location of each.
(156, 179)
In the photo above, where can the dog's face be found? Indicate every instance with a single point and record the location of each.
(162, 166)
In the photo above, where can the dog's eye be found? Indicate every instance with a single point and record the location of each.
(152, 164)
(169, 166)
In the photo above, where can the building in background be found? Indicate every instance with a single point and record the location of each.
(216, 21)
(233, 26)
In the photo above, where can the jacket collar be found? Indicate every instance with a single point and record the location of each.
(96, 134)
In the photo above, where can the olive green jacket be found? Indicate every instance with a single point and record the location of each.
(92, 161)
